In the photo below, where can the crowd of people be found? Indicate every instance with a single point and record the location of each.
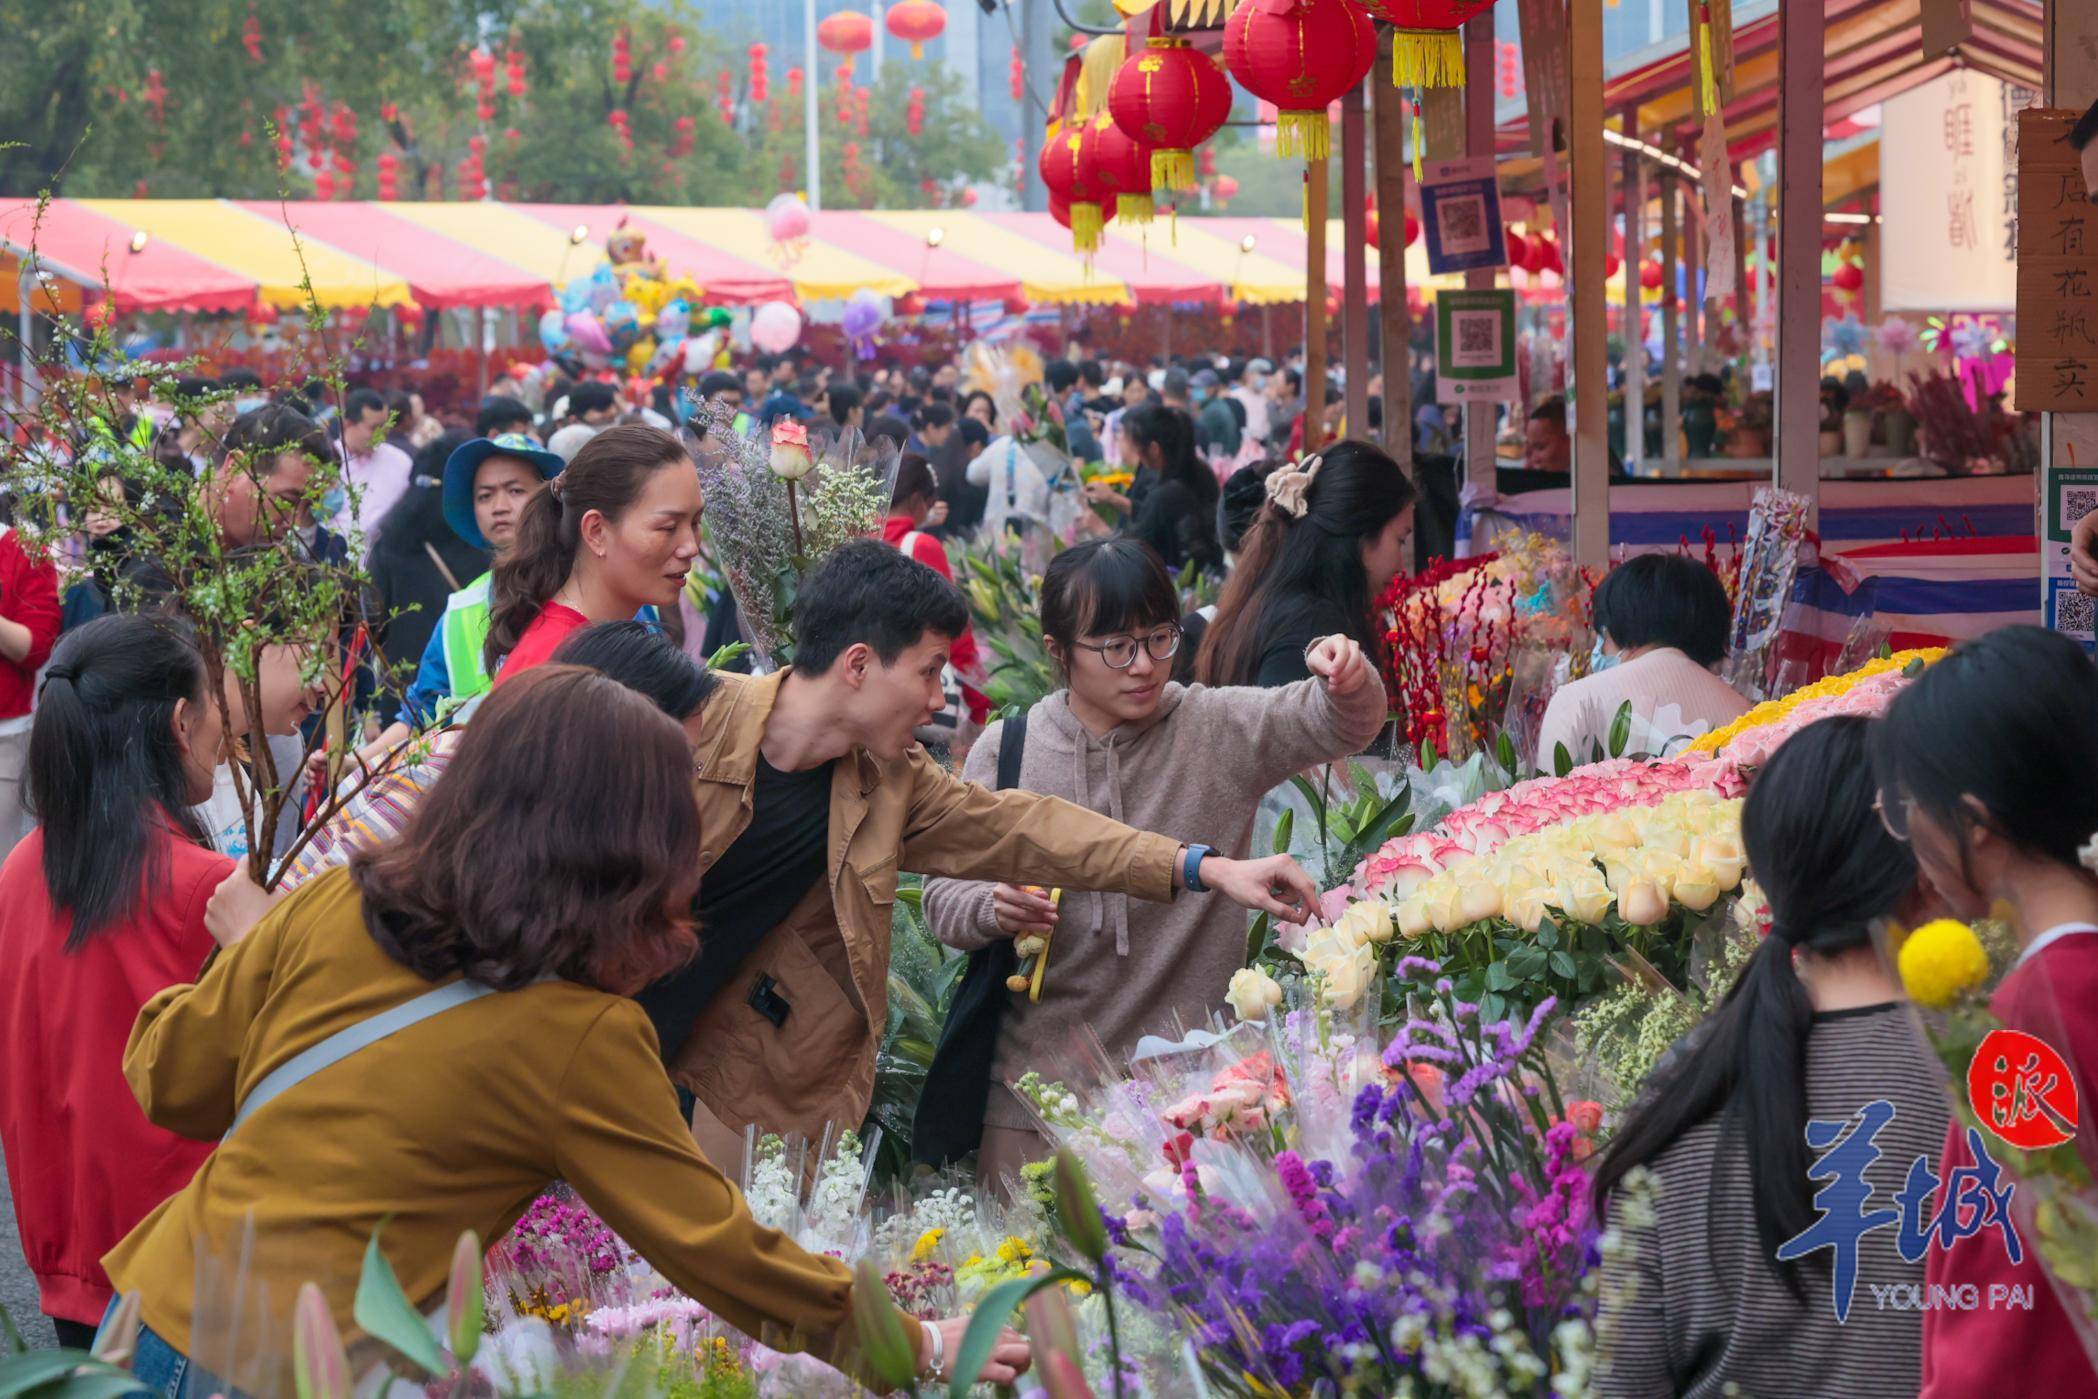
(605, 908)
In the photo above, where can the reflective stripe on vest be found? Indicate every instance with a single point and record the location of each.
(465, 629)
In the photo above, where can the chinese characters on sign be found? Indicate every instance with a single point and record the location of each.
(1948, 182)
(2057, 270)
(1976, 1198)
(2022, 1090)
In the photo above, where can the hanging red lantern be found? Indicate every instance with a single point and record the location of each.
(1124, 168)
(1070, 170)
(917, 23)
(1508, 63)
(1518, 248)
(1300, 55)
(1549, 258)
(847, 32)
(1612, 265)
(1413, 230)
(1223, 188)
(622, 58)
(1650, 275)
(1372, 226)
(1426, 50)
(1169, 99)
(251, 38)
(514, 72)
(914, 112)
(1849, 277)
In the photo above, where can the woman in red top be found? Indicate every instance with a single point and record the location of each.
(1988, 767)
(613, 534)
(29, 616)
(912, 502)
(101, 908)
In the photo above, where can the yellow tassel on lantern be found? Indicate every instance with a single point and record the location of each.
(1172, 169)
(1301, 134)
(1135, 208)
(1086, 224)
(1427, 58)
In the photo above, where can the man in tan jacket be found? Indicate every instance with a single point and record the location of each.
(813, 794)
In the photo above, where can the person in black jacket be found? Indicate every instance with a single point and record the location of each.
(1177, 514)
(417, 561)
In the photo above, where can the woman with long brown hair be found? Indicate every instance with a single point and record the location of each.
(612, 535)
(433, 1036)
(1331, 537)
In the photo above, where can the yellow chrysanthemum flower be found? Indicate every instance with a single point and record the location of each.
(927, 1242)
(1940, 960)
(1770, 711)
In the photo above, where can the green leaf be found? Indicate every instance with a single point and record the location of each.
(1498, 976)
(1564, 964)
(1621, 729)
(384, 1313)
(1285, 827)
(723, 655)
(1562, 761)
(1379, 826)
(22, 1373)
(1309, 793)
(989, 1319)
(105, 1382)
(1427, 756)
(1257, 939)
(15, 1344)
(1547, 935)
(1505, 752)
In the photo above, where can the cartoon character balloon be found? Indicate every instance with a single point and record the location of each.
(587, 333)
(864, 314)
(553, 331)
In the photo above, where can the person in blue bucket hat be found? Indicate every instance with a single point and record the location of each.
(486, 483)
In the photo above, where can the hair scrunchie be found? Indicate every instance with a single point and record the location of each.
(1290, 488)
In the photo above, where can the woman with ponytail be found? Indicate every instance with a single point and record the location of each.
(1988, 771)
(101, 908)
(1330, 539)
(1814, 1028)
(610, 538)
(1175, 512)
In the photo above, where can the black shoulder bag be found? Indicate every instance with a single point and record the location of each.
(949, 1121)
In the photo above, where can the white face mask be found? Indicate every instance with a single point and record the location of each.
(1598, 662)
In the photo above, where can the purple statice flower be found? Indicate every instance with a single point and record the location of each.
(1117, 1228)
(1408, 966)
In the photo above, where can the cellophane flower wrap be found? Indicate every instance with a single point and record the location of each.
(765, 531)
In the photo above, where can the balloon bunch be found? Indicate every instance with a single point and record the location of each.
(630, 312)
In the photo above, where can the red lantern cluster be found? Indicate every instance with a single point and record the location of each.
(917, 23)
(854, 171)
(1124, 169)
(1169, 99)
(1222, 188)
(1301, 55)
(1070, 171)
(514, 72)
(793, 82)
(760, 74)
(1508, 67)
(251, 37)
(623, 57)
(621, 125)
(473, 175)
(156, 95)
(725, 97)
(1016, 75)
(481, 67)
(914, 112)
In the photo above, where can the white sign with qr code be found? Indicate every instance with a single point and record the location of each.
(1478, 339)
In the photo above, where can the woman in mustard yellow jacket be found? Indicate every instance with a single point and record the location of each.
(492, 949)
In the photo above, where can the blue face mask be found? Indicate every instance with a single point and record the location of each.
(333, 502)
(1597, 661)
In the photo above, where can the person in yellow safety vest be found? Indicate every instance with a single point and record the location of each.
(486, 483)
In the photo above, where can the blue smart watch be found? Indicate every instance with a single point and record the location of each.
(1190, 871)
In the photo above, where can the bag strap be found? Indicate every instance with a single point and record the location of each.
(348, 1040)
(1012, 746)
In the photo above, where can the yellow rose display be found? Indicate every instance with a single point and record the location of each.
(1366, 921)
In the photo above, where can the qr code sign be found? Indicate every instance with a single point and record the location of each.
(1477, 339)
(2077, 504)
(1463, 223)
(2073, 614)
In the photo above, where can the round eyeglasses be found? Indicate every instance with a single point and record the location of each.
(1119, 653)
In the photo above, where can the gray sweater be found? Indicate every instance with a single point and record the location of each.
(1196, 771)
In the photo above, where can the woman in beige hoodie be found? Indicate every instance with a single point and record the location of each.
(1122, 740)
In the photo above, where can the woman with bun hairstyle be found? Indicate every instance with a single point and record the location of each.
(1331, 537)
(613, 534)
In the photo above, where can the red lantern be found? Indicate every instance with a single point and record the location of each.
(1169, 99)
(1508, 60)
(1222, 188)
(1650, 275)
(1413, 230)
(1548, 256)
(1427, 50)
(1300, 55)
(1124, 169)
(847, 32)
(914, 112)
(917, 23)
(1070, 170)
(1612, 265)
(1372, 226)
(1849, 277)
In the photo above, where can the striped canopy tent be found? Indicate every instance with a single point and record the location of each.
(230, 255)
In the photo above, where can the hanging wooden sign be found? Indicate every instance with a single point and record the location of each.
(2057, 269)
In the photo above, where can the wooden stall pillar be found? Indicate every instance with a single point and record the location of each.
(1394, 316)
(1671, 338)
(1315, 306)
(1354, 232)
(1591, 223)
(1797, 397)
(1479, 462)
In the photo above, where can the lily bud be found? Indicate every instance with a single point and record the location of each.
(320, 1366)
(1077, 1209)
(465, 1305)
